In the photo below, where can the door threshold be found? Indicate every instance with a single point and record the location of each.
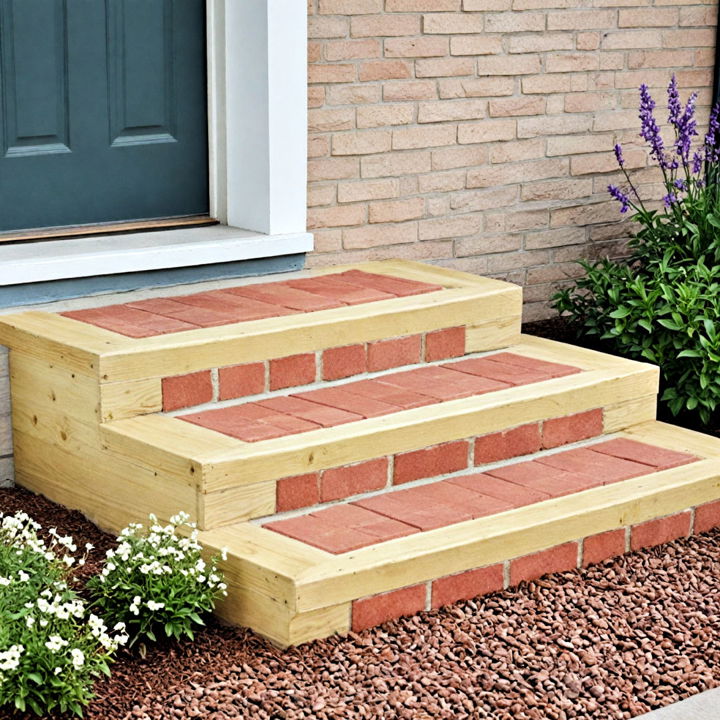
(117, 228)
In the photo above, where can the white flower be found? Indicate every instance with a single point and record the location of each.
(58, 670)
(4, 581)
(10, 659)
(29, 621)
(89, 546)
(152, 605)
(78, 657)
(223, 553)
(24, 577)
(55, 643)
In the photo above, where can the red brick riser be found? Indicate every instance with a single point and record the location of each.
(303, 491)
(238, 381)
(377, 609)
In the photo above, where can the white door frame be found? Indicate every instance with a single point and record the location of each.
(257, 127)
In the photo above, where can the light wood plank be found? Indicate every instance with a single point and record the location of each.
(418, 558)
(502, 332)
(123, 400)
(236, 504)
(629, 412)
(676, 438)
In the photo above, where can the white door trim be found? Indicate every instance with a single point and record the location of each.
(257, 123)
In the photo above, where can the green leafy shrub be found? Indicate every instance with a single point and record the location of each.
(158, 579)
(662, 303)
(51, 649)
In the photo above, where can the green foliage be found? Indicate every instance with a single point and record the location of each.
(51, 649)
(156, 580)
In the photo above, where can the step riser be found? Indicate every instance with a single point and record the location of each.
(404, 576)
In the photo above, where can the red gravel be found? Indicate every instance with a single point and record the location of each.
(612, 641)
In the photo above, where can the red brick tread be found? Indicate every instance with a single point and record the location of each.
(349, 526)
(331, 406)
(161, 316)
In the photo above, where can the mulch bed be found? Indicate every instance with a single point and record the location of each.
(609, 642)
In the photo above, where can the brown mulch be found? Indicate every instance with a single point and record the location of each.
(612, 641)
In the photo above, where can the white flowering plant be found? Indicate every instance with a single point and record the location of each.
(157, 580)
(51, 648)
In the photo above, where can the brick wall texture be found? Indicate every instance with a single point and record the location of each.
(478, 134)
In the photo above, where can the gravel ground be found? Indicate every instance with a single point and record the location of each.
(612, 641)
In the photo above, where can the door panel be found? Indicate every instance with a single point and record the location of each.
(104, 111)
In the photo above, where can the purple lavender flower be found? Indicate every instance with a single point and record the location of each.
(620, 196)
(669, 199)
(697, 162)
(712, 153)
(650, 131)
(674, 102)
(619, 155)
(679, 184)
(686, 129)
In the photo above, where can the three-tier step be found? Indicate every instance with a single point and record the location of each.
(366, 442)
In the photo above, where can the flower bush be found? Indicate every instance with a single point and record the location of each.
(51, 648)
(662, 304)
(157, 579)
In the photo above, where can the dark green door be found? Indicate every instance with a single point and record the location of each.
(103, 111)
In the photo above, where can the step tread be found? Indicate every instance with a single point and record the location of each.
(399, 512)
(393, 392)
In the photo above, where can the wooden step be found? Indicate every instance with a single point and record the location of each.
(237, 480)
(292, 591)
(364, 305)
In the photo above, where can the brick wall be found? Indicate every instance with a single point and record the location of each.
(479, 133)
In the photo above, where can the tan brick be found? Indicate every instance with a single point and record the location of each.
(416, 47)
(517, 106)
(511, 261)
(485, 243)
(325, 27)
(353, 94)
(452, 23)
(327, 240)
(540, 43)
(545, 84)
(372, 190)
(700, 15)
(384, 25)
(479, 200)
(488, 131)
(579, 144)
(499, 65)
(688, 38)
(518, 220)
(442, 182)
(422, 5)
(338, 216)
(459, 157)
(588, 102)
(587, 41)
(448, 110)
(643, 19)
(314, 50)
(384, 70)
(333, 168)
(318, 146)
(575, 62)
(605, 162)
(555, 238)
(394, 164)
(545, 4)
(557, 190)
(458, 226)
(437, 206)
(584, 214)
(581, 20)
(653, 78)
(384, 115)
(352, 49)
(475, 45)
(476, 87)
(612, 61)
(423, 137)
(486, 5)
(393, 211)
(554, 105)
(560, 125)
(517, 150)
(316, 96)
(631, 39)
(349, 7)
(321, 195)
(515, 22)
(510, 173)
(331, 73)
(361, 143)
(660, 58)
(327, 120)
(615, 120)
(444, 67)
(374, 235)
(411, 90)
